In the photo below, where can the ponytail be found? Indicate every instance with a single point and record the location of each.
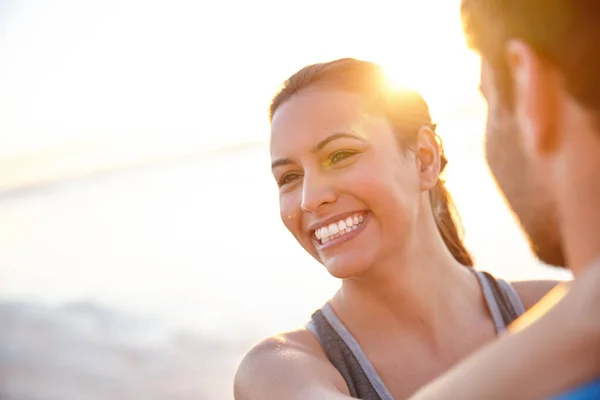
(448, 221)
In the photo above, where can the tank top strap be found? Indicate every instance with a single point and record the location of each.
(502, 300)
(512, 296)
(346, 355)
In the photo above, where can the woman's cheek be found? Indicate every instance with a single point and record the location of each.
(290, 211)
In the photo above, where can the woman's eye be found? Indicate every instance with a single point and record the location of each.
(340, 155)
(288, 178)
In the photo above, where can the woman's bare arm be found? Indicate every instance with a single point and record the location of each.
(280, 368)
(554, 347)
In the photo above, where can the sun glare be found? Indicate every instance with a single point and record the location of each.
(434, 62)
(397, 79)
(420, 45)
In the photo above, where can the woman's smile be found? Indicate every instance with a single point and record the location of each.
(338, 229)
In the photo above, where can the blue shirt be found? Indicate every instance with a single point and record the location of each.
(586, 392)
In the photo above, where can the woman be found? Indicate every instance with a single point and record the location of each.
(358, 172)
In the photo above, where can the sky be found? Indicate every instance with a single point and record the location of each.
(200, 72)
(89, 84)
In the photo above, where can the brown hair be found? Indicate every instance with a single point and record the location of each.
(565, 33)
(406, 110)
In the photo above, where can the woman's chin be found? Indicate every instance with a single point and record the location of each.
(342, 269)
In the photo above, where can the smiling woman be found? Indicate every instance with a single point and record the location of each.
(350, 137)
(357, 165)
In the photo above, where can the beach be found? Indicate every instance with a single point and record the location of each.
(149, 282)
(84, 351)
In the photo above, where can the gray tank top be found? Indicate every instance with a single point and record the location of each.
(349, 359)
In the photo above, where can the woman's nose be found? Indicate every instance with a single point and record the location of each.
(316, 191)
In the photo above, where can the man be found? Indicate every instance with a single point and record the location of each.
(540, 75)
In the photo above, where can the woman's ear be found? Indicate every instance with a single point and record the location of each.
(428, 157)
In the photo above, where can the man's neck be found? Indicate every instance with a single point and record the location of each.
(579, 200)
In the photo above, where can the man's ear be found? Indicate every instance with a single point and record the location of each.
(428, 157)
(535, 97)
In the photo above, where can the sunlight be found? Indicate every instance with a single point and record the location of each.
(399, 79)
(442, 76)
(162, 99)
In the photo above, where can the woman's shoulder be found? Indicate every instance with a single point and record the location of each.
(297, 342)
(533, 291)
(281, 361)
(530, 291)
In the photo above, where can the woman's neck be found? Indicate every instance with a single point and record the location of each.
(419, 289)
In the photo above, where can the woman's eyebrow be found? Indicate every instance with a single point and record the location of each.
(318, 147)
(281, 162)
(335, 136)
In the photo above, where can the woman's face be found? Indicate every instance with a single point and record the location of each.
(347, 191)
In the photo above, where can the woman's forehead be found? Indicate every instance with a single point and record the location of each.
(310, 116)
(318, 106)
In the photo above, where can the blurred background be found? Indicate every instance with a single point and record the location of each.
(141, 251)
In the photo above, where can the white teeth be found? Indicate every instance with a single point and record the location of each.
(339, 228)
(333, 229)
(324, 232)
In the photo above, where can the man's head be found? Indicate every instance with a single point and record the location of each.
(541, 78)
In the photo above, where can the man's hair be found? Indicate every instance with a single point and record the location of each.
(564, 33)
